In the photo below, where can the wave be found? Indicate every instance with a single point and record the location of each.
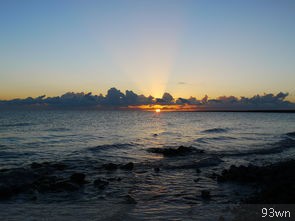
(215, 130)
(57, 129)
(16, 125)
(219, 138)
(275, 148)
(11, 154)
(111, 146)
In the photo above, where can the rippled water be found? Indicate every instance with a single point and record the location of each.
(87, 139)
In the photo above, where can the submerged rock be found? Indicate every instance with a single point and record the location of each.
(6, 191)
(130, 200)
(128, 166)
(48, 166)
(197, 180)
(110, 166)
(64, 186)
(157, 169)
(205, 194)
(78, 178)
(15, 181)
(101, 184)
(180, 151)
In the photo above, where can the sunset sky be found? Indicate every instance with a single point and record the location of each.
(187, 48)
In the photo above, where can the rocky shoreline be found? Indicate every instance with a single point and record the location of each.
(273, 184)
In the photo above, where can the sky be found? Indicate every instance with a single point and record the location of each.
(184, 47)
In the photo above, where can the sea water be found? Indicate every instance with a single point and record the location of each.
(85, 140)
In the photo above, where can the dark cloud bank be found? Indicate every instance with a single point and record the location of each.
(115, 99)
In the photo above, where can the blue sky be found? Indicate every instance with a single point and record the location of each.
(183, 47)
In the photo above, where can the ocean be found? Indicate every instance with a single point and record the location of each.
(162, 184)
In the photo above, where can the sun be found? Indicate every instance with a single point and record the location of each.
(158, 110)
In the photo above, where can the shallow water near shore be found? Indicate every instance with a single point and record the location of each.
(162, 184)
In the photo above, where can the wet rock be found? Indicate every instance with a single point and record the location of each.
(180, 151)
(128, 166)
(101, 184)
(59, 166)
(274, 183)
(17, 180)
(205, 194)
(110, 166)
(6, 191)
(157, 169)
(197, 180)
(221, 218)
(78, 178)
(114, 179)
(213, 176)
(130, 200)
(64, 186)
(36, 165)
(46, 183)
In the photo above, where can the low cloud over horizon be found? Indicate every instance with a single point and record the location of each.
(115, 99)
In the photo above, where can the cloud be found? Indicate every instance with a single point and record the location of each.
(117, 99)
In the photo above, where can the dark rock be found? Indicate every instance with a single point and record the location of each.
(36, 165)
(274, 183)
(205, 194)
(128, 166)
(110, 166)
(114, 179)
(64, 186)
(180, 151)
(6, 191)
(198, 170)
(197, 180)
(130, 200)
(157, 169)
(213, 176)
(221, 218)
(78, 178)
(59, 166)
(101, 184)
(155, 135)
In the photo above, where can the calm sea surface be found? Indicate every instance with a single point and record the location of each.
(86, 139)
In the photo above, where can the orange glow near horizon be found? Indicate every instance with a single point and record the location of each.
(164, 108)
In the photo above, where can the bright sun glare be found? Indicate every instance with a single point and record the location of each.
(158, 110)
